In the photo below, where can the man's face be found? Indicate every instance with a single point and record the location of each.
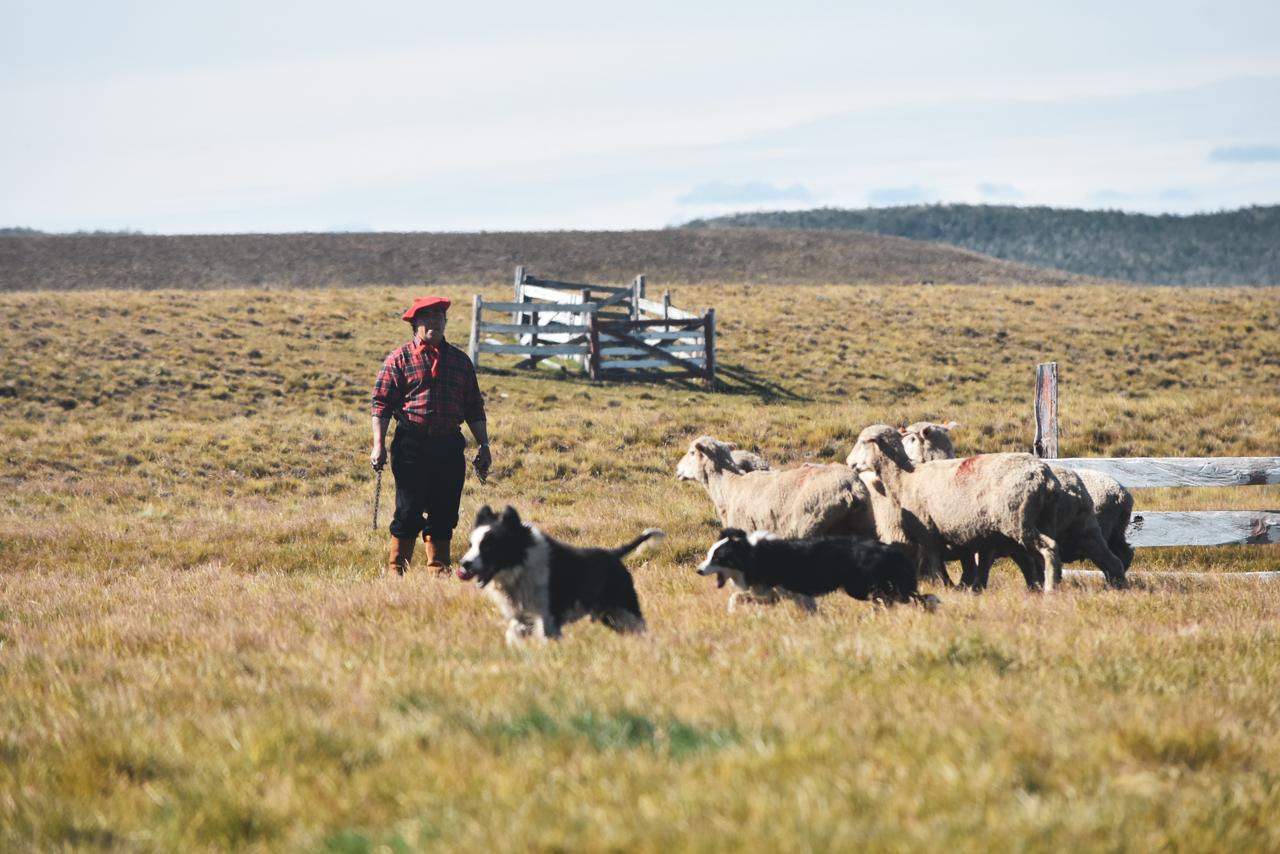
(428, 325)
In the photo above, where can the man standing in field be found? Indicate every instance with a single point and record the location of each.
(430, 388)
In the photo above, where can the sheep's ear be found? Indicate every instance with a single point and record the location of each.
(706, 445)
(950, 425)
(902, 430)
(733, 446)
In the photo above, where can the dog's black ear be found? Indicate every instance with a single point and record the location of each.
(733, 534)
(485, 515)
(510, 516)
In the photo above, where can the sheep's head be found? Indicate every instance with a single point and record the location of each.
(925, 441)
(706, 456)
(879, 447)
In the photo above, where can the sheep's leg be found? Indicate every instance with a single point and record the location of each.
(929, 563)
(1095, 549)
(1036, 560)
(944, 576)
(1119, 547)
(1026, 564)
(1051, 568)
(969, 570)
(982, 575)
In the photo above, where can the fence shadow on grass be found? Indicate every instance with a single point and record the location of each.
(736, 379)
(730, 379)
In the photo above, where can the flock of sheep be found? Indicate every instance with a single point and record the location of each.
(904, 486)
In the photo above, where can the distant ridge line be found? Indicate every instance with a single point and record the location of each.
(1237, 247)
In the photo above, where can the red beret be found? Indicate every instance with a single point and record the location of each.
(426, 302)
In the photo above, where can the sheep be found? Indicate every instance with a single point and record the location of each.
(809, 501)
(749, 460)
(960, 504)
(1112, 503)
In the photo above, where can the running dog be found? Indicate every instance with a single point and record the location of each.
(541, 584)
(863, 568)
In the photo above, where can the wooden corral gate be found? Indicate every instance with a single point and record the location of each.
(1169, 528)
(613, 332)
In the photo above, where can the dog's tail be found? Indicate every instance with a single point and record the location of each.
(656, 535)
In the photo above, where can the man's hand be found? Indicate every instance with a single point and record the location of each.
(482, 461)
(379, 456)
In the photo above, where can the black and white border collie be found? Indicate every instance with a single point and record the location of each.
(542, 584)
(864, 568)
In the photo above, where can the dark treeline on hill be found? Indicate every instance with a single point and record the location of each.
(667, 256)
(1230, 247)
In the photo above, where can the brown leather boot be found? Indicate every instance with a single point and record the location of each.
(401, 552)
(437, 554)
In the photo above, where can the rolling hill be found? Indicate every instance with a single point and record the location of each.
(671, 256)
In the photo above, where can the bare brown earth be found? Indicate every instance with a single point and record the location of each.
(675, 256)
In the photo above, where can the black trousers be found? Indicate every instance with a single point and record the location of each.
(429, 473)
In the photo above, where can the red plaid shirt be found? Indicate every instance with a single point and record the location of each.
(404, 388)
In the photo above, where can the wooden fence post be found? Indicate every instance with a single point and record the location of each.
(1046, 444)
(637, 293)
(593, 346)
(709, 345)
(475, 330)
(516, 316)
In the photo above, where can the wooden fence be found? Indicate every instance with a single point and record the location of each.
(1168, 528)
(612, 332)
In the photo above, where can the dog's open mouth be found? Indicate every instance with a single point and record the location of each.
(482, 577)
(705, 569)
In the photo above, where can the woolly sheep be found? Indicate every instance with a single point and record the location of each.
(963, 505)
(925, 441)
(809, 501)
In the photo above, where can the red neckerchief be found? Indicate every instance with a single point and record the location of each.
(432, 350)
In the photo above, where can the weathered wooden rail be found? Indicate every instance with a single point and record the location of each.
(613, 332)
(1164, 527)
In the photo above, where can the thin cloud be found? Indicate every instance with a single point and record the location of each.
(1246, 154)
(999, 191)
(720, 192)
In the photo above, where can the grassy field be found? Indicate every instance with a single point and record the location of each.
(198, 651)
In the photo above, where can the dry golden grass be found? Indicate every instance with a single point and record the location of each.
(197, 650)
(75, 262)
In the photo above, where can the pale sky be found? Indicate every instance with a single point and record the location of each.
(237, 116)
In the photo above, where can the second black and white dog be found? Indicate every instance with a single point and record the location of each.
(541, 584)
(863, 568)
